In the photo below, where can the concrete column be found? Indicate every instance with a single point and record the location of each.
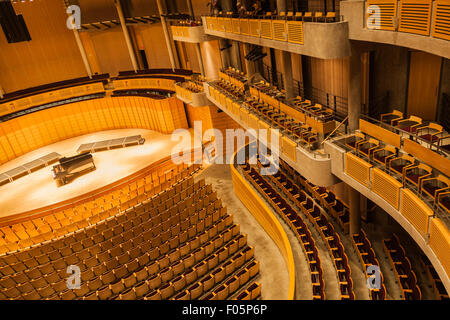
(82, 52)
(250, 66)
(200, 59)
(354, 88)
(127, 35)
(227, 5)
(225, 54)
(166, 35)
(281, 6)
(363, 207)
(286, 65)
(355, 209)
(236, 56)
(190, 9)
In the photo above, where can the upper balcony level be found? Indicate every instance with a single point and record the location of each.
(319, 37)
(192, 92)
(296, 127)
(417, 24)
(190, 31)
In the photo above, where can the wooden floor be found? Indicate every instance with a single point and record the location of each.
(39, 189)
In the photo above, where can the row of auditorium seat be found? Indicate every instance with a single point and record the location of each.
(402, 268)
(296, 223)
(409, 170)
(435, 280)
(90, 211)
(305, 106)
(318, 16)
(326, 230)
(235, 76)
(431, 132)
(368, 258)
(231, 89)
(303, 133)
(53, 86)
(147, 252)
(160, 71)
(332, 204)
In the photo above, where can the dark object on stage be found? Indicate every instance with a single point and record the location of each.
(70, 168)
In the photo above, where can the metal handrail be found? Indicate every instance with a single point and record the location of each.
(332, 132)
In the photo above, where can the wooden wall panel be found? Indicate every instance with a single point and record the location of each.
(330, 75)
(155, 46)
(90, 52)
(51, 55)
(297, 67)
(211, 58)
(423, 88)
(111, 50)
(29, 132)
(97, 10)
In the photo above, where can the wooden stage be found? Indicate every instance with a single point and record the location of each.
(39, 189)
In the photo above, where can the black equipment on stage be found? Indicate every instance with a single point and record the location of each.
(71, 167)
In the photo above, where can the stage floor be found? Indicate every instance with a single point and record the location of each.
(39, 189)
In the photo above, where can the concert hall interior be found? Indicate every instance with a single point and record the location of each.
(224, 150)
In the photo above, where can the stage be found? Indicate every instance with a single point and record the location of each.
(38, 189)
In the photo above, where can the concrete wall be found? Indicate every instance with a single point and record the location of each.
(321, 40)
(353, 12)
(444, 117)
(391, 75)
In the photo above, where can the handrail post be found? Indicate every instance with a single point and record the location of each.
(332, 132)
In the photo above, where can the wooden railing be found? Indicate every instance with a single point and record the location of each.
(281, 30)
(422, 17)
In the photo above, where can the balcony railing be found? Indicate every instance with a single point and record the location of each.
(422, 17)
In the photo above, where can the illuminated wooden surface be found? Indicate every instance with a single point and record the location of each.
(39, 189)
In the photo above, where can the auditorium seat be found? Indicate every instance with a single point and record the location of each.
(415, 174)
(366, 147)
(444, 201)
(400, 163)
(402, 268)
(409, 125)
(291, 216)
(353, 140)
(382, 155)
(430, 132)
(115, 269)
(392, 118)
(433, 186)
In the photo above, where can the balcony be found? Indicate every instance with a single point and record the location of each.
(316, 39)
(314, 165)
(371, 166)
(191, 93)
(192, 34)
(418, 24)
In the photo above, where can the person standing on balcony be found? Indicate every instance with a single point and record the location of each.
(241, 9)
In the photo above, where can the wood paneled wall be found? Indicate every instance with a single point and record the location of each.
(211, 58)
(155, 46)
(24, 134)
(97, 10)
(111, 50)
(51, 55)
(330, 75)
(297, 73)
